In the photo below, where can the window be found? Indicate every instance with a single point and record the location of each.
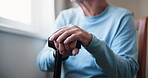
(16, 10)
(28, 15)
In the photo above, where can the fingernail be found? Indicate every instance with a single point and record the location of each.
(65, 42)
(50, 38)
(74, 53)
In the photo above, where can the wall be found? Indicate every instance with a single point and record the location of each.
(138, 7)
(143, 7)
(18, 56)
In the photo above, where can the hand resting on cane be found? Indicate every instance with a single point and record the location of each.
(66, 37)
(66, 49)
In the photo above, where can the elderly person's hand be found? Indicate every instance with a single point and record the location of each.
(67, 49)
(66, 37)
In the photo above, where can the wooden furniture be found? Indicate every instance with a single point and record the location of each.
(141, 26)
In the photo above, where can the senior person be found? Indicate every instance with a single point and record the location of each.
(108, 37)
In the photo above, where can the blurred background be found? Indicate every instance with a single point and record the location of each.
(25, 26)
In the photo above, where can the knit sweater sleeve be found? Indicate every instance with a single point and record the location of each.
(120, 59)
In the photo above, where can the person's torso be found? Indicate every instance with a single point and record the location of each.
(104, 27)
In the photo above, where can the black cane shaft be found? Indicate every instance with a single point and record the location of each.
(58, 59)
(57, 67)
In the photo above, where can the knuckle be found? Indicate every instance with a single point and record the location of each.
(80, 33)
(67, 32)
(74, 26)
(77, 29)
(60, 28)
(74, 35)
(62, 31)
(61, 48)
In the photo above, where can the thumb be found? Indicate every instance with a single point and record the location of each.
(75, 51)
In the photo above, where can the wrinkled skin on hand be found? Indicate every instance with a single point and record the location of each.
(65, 39)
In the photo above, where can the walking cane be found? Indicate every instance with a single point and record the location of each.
(58, 58)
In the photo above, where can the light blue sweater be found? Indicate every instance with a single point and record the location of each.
(112, 52)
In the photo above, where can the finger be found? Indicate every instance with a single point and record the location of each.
(56, 44)
(56, 34)
(73, 45)
(60, 31)
(73, 37)
(68, 50)
(61, 49)
(57, 30)
(75, 51)
(65, 34)
(67, 47)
